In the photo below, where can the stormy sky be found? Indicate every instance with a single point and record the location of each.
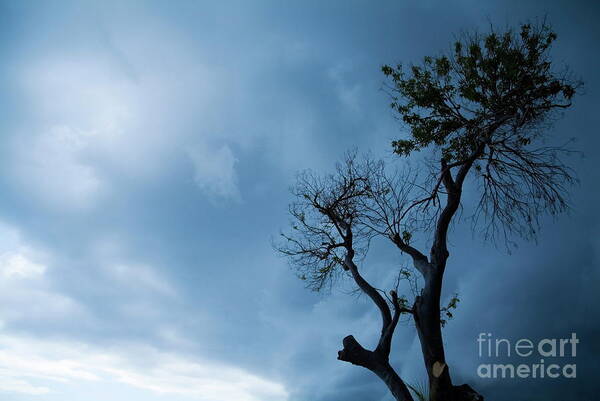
(146, 153)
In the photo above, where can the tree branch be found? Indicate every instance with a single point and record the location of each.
(369, 290)
(354, 353)
(385, 341)
(439, 249)
(419, 260)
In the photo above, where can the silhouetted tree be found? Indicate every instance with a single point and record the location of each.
(482, 111)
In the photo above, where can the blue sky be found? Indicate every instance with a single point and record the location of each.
(146, 153)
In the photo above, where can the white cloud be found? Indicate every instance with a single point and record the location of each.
(140, 276)
(51, 167)
(18, 265)
(30, 292)
(90, 120)
(130, 110)
(26, 294)
(33, 366)
(349, 94)
(214, 171)
(17, 259)
(10, 384)
(41, 367)
(77, 106)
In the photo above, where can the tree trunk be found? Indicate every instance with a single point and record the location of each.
(393, 382)
(427, 320)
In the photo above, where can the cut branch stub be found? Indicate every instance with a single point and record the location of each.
(354, 353)
(438, 368)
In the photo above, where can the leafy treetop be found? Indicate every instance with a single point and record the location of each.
(485, 103)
